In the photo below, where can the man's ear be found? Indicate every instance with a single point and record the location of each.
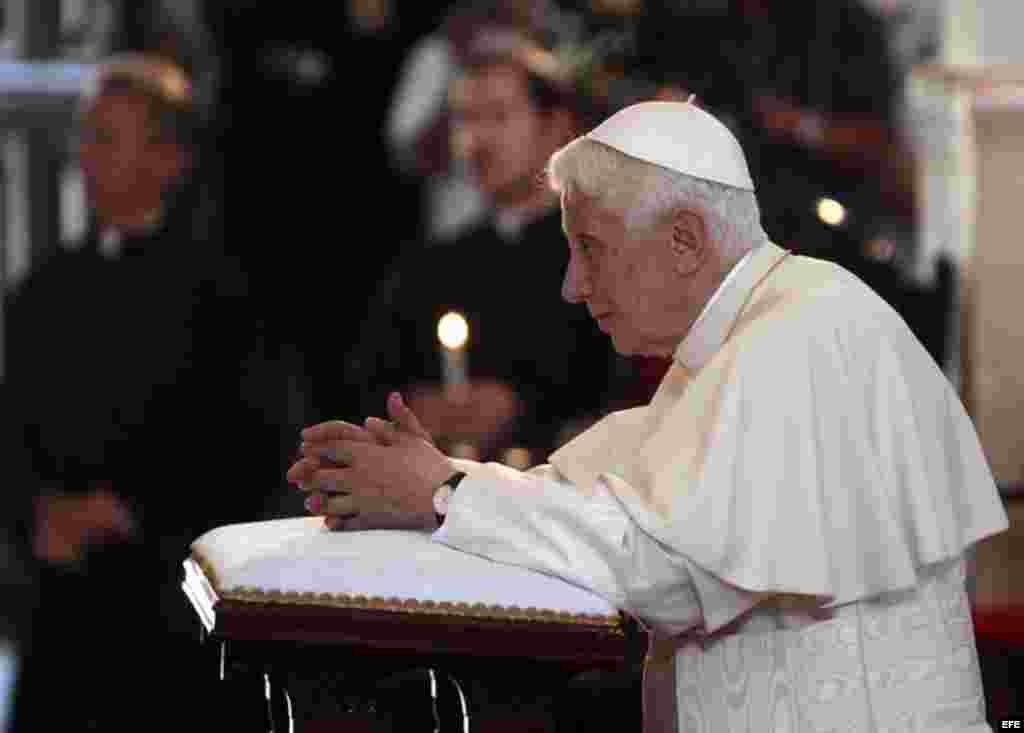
(690, 241)
(562, 126)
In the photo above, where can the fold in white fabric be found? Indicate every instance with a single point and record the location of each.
(536, 520)
(803, 442)
(902, 660)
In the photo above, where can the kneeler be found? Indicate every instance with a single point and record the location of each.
(386, 630)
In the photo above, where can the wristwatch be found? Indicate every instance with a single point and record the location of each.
(444, 493)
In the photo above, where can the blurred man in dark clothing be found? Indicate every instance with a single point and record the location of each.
(287, 72)
(508, 111)
(811, 89)
(813, 92)
(116, 349)
(141, 326)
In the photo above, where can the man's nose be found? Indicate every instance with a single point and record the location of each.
(467, 140)
(462, 142)
(574, 286)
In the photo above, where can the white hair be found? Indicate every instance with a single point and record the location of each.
(646, 192)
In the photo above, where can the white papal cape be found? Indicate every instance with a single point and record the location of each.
(789, 514)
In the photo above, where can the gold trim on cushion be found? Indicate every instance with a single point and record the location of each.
(208, 570)
(462, 609)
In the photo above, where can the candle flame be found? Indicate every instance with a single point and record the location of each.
(831, 212)
(453, 331)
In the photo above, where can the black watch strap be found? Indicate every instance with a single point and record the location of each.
(456, 479)
(453, 481)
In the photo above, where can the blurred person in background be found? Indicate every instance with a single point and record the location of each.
(814, 93)
(419, 119)
(17, 599)
(819, 94)
(113, 347)
(813, 90)
(509, 107)
(286, 74)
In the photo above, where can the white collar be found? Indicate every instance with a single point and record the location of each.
(110, 242)
(112, 238)
(708, 332)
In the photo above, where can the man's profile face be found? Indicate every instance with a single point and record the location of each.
(500, 134)
(626, 278)
(126, 169)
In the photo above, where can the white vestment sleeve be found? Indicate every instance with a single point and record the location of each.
(539, 521)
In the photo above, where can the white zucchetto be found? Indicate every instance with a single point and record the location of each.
(679, 136)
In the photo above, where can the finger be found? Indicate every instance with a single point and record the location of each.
(311, 485)
(334, 480)
(335, 430)
(339, 505)
(337, 452)
(384, 431)
(314, 503)
(302, 468)
(324, 486)
(340, 523)
(405, 418)
(302, 471)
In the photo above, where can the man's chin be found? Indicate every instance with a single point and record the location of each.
(627, 347)
(623, 346)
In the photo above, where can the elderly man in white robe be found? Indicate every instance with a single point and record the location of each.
(788, 517)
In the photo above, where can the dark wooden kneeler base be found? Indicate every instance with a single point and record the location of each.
(303, 667)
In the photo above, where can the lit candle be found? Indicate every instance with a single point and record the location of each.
(831, 212)
(453, 333)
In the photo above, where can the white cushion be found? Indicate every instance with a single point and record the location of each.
(301, 561)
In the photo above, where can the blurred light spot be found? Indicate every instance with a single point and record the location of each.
(831, 212)
(175, 85)
(543, 63)
(311, 67)
(305, 66)
(518, 458)
(465, 451)
(452, 330)
(880, 249)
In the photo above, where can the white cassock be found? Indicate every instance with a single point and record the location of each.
(789, 516)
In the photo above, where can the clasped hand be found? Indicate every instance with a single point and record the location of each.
(384, 469)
